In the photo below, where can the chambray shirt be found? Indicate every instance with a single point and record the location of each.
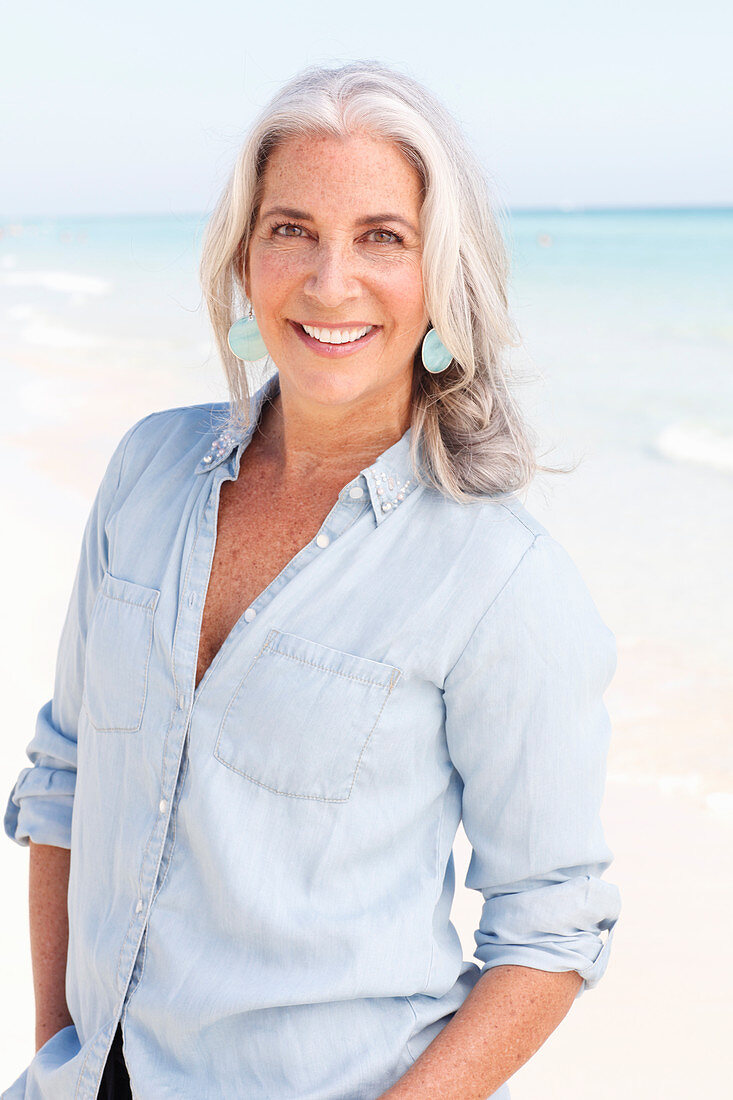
(261, 867)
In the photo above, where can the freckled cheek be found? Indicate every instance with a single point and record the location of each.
(272, 278)
(403, 296)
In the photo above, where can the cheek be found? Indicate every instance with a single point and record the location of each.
(403, 289)
(271, 276)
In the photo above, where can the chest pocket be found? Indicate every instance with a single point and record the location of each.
(119, 641)
(302, 716)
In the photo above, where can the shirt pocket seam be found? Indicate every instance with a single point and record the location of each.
(110, 589)
(386, 686)
(308, 797)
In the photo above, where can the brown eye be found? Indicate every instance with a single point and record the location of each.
(282, 230)
(385, 236)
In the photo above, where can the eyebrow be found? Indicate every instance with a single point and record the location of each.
(301, 215)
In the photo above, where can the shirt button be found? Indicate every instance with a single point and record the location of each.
(355, 492)
(322, 540)
(191, 599)
(139, 906)
(162, 805)
(181, 702)
(249, 614)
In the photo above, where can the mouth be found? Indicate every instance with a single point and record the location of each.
(335, 341)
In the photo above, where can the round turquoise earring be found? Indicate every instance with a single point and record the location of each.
(435, 355)
(245, 340)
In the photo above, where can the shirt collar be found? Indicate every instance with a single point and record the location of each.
(226, 439)
(389, 480)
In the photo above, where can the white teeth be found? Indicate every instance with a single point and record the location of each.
(337, 335)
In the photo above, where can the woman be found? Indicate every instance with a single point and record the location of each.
(310, 631)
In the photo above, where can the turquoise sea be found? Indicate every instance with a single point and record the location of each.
(631, 309)
(626, 370)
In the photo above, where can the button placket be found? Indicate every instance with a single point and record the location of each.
(341, 517)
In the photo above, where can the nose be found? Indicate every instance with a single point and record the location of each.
(332, 279)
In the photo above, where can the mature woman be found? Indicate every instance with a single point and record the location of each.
(311, 630)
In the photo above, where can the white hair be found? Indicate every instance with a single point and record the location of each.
(468, 435)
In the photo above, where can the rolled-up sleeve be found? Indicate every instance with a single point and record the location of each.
(40, 804)
(528, 732)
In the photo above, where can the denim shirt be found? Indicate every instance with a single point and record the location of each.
(261, 866)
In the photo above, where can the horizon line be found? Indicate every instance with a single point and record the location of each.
(556, 208)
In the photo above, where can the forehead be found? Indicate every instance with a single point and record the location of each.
(327, 175)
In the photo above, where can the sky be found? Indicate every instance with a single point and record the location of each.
(140, 108)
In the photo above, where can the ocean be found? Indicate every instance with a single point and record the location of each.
(625, 370)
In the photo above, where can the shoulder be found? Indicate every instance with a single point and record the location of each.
(499, 525)
(177, 437)
(545, 616)
(479, 544)
(541, 576)
(512, 577)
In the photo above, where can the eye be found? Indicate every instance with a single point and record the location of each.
(385, 236)
(283, 230)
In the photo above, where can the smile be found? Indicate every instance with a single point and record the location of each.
(335, 341)
(336, 335)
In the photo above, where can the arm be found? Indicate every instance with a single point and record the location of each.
(503, 1021)
(40, 805)
(528, 734)
(49, 935)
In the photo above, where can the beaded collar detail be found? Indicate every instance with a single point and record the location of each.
(390, 479)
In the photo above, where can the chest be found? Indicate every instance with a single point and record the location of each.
(261, 527)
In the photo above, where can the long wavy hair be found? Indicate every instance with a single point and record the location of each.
(469, 438)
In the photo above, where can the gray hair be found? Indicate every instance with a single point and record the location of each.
(468, 437)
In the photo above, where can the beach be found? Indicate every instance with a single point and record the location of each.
(625, 370)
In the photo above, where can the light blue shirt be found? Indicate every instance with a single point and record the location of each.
(261, 868)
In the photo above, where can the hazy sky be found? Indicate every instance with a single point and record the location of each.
(140, 107)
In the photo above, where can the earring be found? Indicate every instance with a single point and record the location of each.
(435, 355)
(245, 340)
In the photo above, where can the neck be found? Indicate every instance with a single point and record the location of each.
(306, 440)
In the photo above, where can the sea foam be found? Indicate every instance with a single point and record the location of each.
(65, 281)
(699, 443)
(41, 334)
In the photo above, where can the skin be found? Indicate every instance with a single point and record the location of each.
(48, 884)
(339, 407)
(330, 269)
(337, 411)
(504, 1020)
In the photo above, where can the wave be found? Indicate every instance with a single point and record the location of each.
(52, 336)
(65, 281)
(701, 444)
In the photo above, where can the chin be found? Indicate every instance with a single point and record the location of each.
(334, 386)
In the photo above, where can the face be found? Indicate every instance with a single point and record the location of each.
(333, 270)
